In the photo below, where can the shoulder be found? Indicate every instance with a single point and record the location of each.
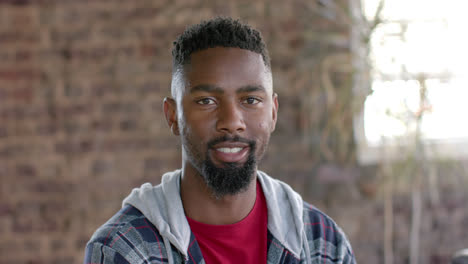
(325, 238)
(128, 237)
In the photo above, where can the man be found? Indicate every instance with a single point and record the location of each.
(218, 208)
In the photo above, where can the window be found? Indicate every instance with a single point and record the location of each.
(419, 56)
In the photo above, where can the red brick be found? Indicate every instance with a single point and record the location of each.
(141, 13)
(48, 225)
(9, 247)
(148, 50)
(81, 241)
(16, 2)
(127, 145)
(68, 36)
(23, 56)
(25, 171)
(128, 51)
(3, 132)
(53, 206)
(16, 75)
(48, 54)
(94, 54)
(73, 90)
(27, 208)
(63, 260)
(24, 226)
(106, 88)
(46, 129)
(12, 151)
(101, 125)
(4, 171)
(32, 246)
(50, 186)
(16, 37)
(102, 88)
(23, 95)
(36, 261)
(21, 112)
(121, 107)
(71, 127)
(79, 147)
(6, 57)
(152, 164)
(101, 166)
(5, 209)
(57, 245)
(128, 125)
(151, 87)
(4, 93)
(76, 109)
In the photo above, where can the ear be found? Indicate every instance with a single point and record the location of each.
(274, 112)
(170, 111)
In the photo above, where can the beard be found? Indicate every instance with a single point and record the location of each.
(230, 179)
(233, 178)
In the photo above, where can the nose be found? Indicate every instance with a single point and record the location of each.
(230, 119)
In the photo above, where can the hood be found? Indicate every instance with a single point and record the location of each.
(285, 213)
(163, 207)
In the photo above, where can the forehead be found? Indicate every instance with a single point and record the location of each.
(227, 68)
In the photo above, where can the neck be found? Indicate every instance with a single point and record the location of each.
(201, 205)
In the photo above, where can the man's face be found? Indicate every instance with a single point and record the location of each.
(225, 114)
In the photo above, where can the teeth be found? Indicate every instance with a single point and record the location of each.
(229, 150)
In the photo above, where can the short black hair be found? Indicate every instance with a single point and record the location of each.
(217, 32)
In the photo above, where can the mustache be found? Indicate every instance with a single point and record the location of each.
(226, 138)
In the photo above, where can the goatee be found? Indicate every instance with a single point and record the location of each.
(233, 178)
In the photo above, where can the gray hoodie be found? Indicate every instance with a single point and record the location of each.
(284, 211)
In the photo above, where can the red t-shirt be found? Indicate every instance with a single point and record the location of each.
(242, 242)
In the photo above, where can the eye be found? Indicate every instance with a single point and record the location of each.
(205, 101)
(251, 100)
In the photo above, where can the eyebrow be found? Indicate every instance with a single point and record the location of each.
(206, 88)
(215, 89)
(251, 88)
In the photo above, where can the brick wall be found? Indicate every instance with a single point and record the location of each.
(81, 123)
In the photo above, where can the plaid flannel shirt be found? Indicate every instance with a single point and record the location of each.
(129, 237)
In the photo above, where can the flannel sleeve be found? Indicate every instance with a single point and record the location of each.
(98, 253)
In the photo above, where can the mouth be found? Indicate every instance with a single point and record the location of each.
(230, 152)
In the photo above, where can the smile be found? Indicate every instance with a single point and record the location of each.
(229, 150)
(229, 154)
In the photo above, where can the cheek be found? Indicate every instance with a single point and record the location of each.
(263, 125)
(198, 130)
(261, 131)
(198, 125)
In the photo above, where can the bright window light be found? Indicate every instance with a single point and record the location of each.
(418, 38)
